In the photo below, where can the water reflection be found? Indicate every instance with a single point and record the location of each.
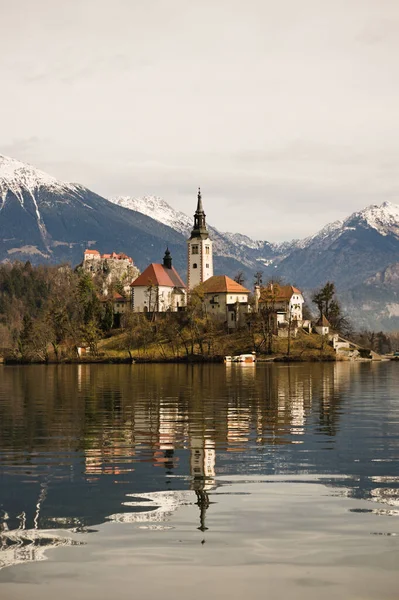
(83, 444)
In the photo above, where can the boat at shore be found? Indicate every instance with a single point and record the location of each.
(241, 358)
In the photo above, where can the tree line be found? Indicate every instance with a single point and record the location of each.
(45, 308)
(47, 312)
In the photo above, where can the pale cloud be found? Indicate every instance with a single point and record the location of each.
(285, 113)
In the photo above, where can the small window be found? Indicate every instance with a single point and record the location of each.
(207, 266)
(194, 265)
(194, 249)
(231, 297)
(207, 249)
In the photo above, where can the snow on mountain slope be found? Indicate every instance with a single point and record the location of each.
(245, 241)
(383, 218)
(45, 220)
(17, 177)
(329, 233)
(157, 209)
(233, 245)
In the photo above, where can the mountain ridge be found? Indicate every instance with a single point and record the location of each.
(45, 220)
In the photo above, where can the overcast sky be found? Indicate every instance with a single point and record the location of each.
(285, 112)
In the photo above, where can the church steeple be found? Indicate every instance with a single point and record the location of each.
(199, 249)
(167, 259)
(199, 229)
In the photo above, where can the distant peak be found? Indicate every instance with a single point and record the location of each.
(14, 172)
(18, 178)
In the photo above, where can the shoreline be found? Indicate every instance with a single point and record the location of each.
(187, 360)
(183, 360)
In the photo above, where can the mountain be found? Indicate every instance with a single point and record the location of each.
(347, 252)
(374, 304)
(157, 209)
(45, 220)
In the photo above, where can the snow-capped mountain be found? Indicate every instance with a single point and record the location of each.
(45, 220)
(348, 251)
(253, 254)
(157, 209)
(384, 219)
(18, 177)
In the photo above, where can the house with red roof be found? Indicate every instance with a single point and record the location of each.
(159, 288)
(285, 301)
(225, 300)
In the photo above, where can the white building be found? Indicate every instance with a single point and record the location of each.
(159, 288)
(323, 326)
(199, 250)
(285, 300)
(226, 300)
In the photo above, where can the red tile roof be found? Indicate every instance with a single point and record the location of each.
(323, 322)
(278, 293)
(219, 284)
(115, 297)
(113, 255)
(157, 274)
(118, 297)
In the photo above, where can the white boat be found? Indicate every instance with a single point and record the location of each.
(241, 358)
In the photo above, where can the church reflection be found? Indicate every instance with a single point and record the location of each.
(133, 443)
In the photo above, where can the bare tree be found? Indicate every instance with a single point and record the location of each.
(240, 277)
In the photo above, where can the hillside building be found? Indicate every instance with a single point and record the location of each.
(110, 269)
(323, 326)
(199, 249)
(285, 302)
(226, 300)
(159, 288)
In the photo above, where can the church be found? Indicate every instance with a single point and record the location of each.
(225, 299)
(160, 288)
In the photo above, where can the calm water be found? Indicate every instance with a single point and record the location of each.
(138, 481)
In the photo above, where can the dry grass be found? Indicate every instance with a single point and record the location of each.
(304, 347)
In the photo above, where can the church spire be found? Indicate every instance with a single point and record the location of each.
(200, 208)
(199, 229)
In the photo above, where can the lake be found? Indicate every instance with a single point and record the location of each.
(192, 481)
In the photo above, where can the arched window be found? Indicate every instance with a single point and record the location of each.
(194, 265)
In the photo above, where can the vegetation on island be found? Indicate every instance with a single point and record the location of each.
(48, 312)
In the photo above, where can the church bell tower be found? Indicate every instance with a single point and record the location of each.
(199, 249)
